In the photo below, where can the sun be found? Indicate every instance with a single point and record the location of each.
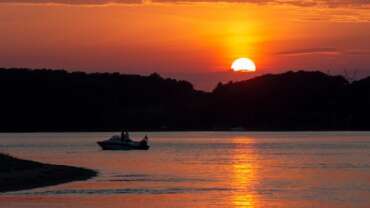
(243, 65)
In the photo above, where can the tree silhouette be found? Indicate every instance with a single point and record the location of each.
(56, 100)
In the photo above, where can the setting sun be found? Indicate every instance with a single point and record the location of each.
(243, 65)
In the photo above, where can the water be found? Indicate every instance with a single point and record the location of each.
(202, 169)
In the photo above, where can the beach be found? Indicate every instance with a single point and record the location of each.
(18, 174)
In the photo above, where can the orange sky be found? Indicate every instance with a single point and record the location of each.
(190, 40)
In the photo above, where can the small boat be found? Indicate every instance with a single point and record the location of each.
(117, 143)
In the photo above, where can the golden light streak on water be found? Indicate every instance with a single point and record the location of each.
(244, 174)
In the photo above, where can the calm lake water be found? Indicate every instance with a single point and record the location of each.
(202, 169)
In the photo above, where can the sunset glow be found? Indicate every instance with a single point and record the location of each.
(185, 103)
(189, 40)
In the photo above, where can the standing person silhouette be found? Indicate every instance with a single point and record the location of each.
(127, 136)
(123, 135)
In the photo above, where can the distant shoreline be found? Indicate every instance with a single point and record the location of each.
(59, 100)
(18, 174)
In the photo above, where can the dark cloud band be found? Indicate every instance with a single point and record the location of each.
(73, 2)
(309, 51)
(302, 3)
(327, 51)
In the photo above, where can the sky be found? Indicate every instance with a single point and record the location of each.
(195, 40)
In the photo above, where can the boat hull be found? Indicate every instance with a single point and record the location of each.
(121, 146)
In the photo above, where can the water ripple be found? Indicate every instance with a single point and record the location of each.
(123, 191)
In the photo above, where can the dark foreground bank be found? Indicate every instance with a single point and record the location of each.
(17, 174)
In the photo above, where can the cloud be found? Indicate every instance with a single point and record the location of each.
(358, 52)
(305, 3)
(324, 51)
(341, 3)
(301, 3)
(73, 2)
(308, 51)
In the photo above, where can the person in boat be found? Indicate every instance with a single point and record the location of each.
(122, 134)
(125, 136)
(144, 140)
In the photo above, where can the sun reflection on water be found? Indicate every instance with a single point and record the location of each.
(244, 174)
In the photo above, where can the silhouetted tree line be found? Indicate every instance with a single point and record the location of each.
(56, 100)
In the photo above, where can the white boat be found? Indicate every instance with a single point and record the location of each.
(117, 143)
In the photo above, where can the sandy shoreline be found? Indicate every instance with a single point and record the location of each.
(18, 174)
